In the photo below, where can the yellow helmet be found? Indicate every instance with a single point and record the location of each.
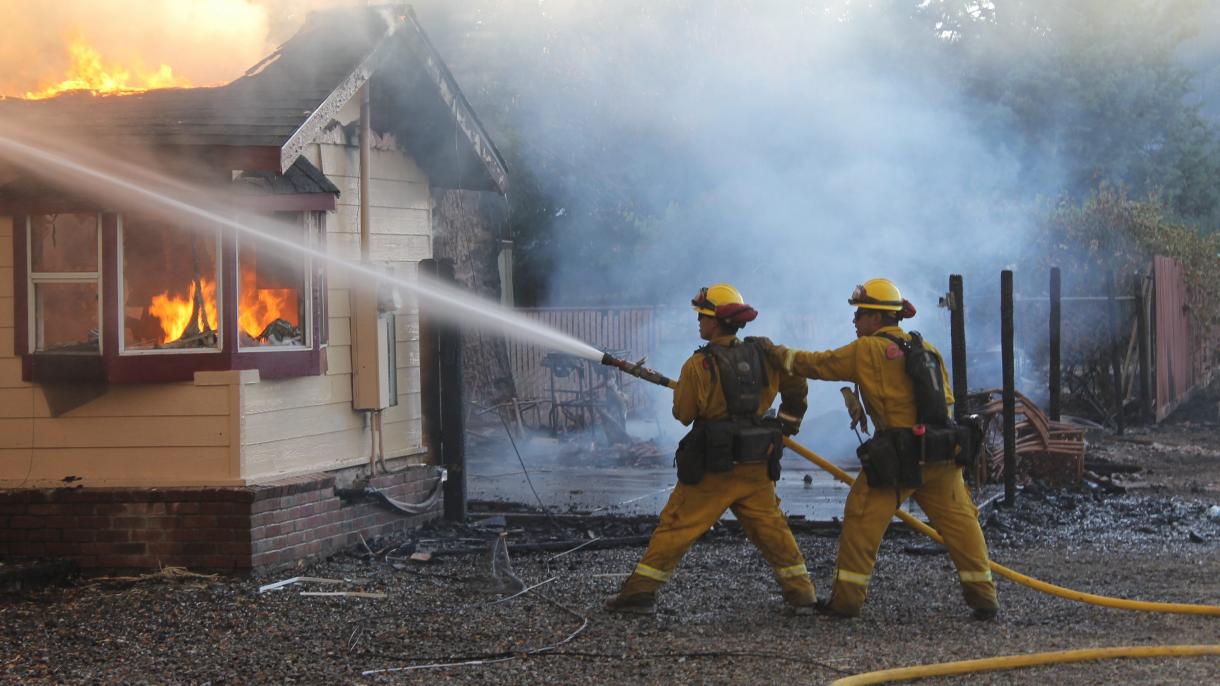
(877, 294)
(711, 297)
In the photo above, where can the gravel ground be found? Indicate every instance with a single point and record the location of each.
(720, 619)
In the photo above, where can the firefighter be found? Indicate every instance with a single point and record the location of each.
(898, 463)
(730, 458)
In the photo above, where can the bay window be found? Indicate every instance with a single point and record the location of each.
(112, 298)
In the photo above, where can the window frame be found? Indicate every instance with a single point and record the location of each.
(309, 327)
(33, 279)
(109, 366)
(119, 322)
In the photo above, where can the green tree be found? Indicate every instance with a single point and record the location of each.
(1091, 92)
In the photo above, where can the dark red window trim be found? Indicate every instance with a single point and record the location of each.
(111, 367)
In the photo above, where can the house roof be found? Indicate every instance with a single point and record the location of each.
(288, 99)
(301, 178)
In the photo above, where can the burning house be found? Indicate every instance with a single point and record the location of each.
(173, 391)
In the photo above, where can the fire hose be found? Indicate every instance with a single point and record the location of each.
(1006, 662)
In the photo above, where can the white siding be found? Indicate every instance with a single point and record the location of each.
(304, 425)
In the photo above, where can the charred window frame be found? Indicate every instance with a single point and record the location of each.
(276, 289)
(106, 361)
(63, 283)
(181, 303)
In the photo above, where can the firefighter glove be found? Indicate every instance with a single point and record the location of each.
(858, 417)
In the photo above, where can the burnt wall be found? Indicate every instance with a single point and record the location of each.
(467, 228)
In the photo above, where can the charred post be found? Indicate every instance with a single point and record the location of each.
(957, 337)
(453, 430)
(1116, 360)
(1055, 332)
(1144, 347)
(1010, 401)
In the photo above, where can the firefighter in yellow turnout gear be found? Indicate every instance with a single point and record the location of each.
(710, 480)
(877, 364)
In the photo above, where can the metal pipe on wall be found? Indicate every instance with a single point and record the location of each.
(366, 153)
(1010, 401)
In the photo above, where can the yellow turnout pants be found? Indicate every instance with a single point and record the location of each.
(692, 510)
(944, 498)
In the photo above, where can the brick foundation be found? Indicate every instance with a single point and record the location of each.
(250, 528)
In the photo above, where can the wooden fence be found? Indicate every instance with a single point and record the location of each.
(1184, 356)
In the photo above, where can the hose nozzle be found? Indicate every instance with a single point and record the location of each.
(638, 370)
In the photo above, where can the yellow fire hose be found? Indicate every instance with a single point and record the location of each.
(992, 663)
(1015, 661)
(642, 372)
(1142, 605)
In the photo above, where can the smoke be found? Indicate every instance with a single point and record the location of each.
(1202, 53)
(792, 150)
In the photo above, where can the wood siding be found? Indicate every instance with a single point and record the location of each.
(230, 427)
(295, 426)
(137, 435)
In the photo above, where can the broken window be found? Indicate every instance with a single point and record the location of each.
(169, 283)
(273, 290)
(65, 311)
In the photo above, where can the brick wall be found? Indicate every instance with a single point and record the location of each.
(256, 528)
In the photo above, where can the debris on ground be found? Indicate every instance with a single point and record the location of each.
(719, 619)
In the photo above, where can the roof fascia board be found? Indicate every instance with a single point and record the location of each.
(461, 110)
(312, 127)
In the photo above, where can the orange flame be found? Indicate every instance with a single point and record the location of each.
(258, 308)
(175, 312)
(261, 306)
(88, 72)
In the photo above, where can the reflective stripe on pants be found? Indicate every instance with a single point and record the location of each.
(944, 498)
(852, 577)
(692, 510)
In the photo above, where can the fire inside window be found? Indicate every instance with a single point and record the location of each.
(169, 284)
(272, 291)
(64, 307)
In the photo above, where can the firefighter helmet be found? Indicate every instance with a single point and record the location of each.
(877, 294)
(711, 297)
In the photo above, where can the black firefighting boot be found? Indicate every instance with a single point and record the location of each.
(634, 604)
(984, 614)
(799, 603)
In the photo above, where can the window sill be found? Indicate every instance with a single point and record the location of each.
(50, 368)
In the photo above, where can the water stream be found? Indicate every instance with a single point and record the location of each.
(445, 301)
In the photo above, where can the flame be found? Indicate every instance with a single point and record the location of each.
(261, 306)
(88, 72)
(258, 308)
(175, 312)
